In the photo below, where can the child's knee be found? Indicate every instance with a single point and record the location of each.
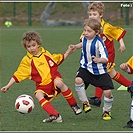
(108, 94)
(78, 81)
(59, 84)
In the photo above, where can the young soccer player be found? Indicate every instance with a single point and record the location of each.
(93, 66)
(41, 66)
(128, 67)
(109, 34)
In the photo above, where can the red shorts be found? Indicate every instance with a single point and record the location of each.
(50, 90)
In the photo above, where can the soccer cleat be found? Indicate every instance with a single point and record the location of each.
(53, 118)
(106, 115)
(129, 124)
(77, 110)
(86, 107)
(95, 101)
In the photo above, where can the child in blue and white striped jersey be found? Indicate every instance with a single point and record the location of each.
(92, 70)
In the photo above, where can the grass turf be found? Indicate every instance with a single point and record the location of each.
(56, 40)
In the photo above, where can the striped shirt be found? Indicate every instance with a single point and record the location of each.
(94, 47)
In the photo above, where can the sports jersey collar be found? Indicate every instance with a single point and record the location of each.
(102, 23)
(41, 49)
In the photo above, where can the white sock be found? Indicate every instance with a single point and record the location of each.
(107, 104)
(81, 92)
(131, 113)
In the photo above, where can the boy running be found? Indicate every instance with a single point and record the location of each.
(92, 69)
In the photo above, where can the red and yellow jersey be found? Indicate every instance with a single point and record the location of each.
(130, 64)
(110, 33)
(40, 68)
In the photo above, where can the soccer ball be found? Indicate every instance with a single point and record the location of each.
(8, 23)
(24, 104)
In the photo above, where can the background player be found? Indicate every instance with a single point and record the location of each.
(128, 67)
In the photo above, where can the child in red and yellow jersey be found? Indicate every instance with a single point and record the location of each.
(128, 67)
(41, 66)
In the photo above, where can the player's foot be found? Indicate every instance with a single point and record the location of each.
(53, 118)
(95, 101)
(106, 115)
(86, 107)
(77, 110)
(129, 124)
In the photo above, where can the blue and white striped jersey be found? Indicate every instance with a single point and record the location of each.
(97, 48)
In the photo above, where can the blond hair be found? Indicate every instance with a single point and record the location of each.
(97, 6)
(93, 24)
(31, 35)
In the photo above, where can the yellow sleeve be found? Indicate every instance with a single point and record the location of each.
(130, 62)
(23, 70)
(58, 58)
(81, 36)
(113, 32)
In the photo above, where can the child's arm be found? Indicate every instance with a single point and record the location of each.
(72, 48)
(76, 46)
(126, 68)
(99, 60)
(10, 83)
(122, 47)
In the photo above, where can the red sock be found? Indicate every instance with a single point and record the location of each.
(69, 97)
(98, 93)
(46, 105)
(122, 80)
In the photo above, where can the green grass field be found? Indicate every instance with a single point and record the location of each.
(56, 40)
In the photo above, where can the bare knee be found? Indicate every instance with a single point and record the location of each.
(108, 93)
(59, 83)
(78, 81)
(39, 95)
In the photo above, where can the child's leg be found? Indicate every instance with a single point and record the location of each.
(54, 115)
(98, 93)
(131, 112)
(68, 95)
(118, 77)
(80, 89)
(108, 101)
(121, 79)
(81, 92)
(47, 106)
(130, 122)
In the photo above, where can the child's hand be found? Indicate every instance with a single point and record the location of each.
(73, 47)
(4, 89)
(98, 60)
(124, 66)
(95, 59)
(122, 48)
